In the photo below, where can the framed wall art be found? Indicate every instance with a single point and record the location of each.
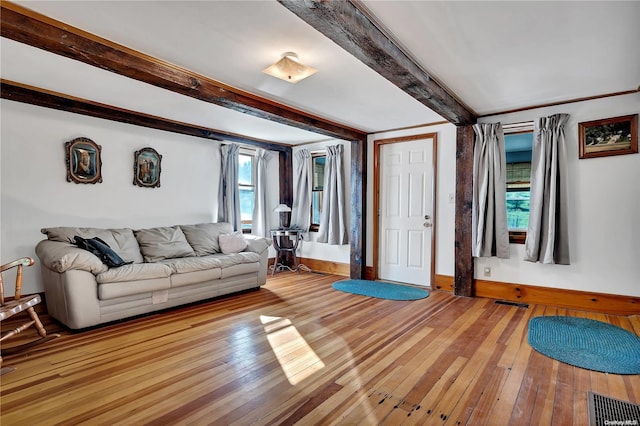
(609, 136)
(84, 164)
(146, 168)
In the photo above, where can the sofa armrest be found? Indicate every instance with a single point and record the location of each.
(61, 257)
(256, 244)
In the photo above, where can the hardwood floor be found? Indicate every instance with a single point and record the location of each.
(298, 352)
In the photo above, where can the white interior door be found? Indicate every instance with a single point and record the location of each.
(406, 211)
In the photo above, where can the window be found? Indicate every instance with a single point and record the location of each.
(518, 143)
(246, 183)
(317, 188)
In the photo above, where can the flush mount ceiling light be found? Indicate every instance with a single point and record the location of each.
(289, 69)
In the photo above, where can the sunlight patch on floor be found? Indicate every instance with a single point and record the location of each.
(297, 360)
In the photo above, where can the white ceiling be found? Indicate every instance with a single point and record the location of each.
(505, 55)
(492, 55)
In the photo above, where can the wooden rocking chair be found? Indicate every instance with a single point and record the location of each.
(17, 305)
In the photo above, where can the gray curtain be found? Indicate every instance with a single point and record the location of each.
(301, 209)
(333, 227)
(260, 219)
(490, 233)
(229, 192)
(547, 237)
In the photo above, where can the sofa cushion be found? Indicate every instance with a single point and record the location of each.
(241, 269)
(195, 277)
(192, 264)
(232, 243)
(248, 257)
(122, 241)
(163, 243)
(228, 260)
(114, 290)
(203, 237)
(134, 272)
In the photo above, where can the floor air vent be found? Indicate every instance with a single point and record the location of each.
(507, 302)
(610, 411)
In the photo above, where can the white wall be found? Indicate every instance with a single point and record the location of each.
(604, 206)
(35, 193)
(604, 212)
(309, 248)
(604, 193)
(446, 178)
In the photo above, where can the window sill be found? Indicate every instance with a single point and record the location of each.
(517, 237)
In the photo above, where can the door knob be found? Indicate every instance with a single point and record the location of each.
(426, 225)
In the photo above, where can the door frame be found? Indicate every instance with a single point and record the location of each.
(376, 196)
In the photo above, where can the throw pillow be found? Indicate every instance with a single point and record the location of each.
(101, 249)
(232, 243)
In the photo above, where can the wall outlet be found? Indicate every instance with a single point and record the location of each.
(487, 271)
(452, 198)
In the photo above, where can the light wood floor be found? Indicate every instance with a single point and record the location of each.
(297, 351)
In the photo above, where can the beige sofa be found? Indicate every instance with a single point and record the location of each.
(170, 266)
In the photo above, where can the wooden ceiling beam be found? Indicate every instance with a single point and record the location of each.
(348, 26)
(29, 27)
(19, 92)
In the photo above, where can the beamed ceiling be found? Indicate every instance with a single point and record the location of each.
(382, 64)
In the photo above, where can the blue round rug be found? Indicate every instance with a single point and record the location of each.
(380, 289)
(586, 343)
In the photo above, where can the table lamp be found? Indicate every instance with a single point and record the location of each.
(283, 209)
